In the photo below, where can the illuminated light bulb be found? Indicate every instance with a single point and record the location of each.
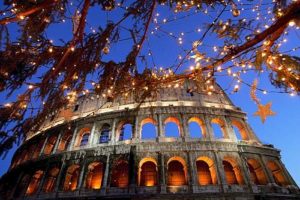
(21, 17)
(50, 49)
(7, 105)
(30, 87)
(72, 49)
(236, 88)
(264, 92)
(219, 69)
(292, 23)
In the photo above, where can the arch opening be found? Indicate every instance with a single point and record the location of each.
(176, 173)
(94, 176)
(232, 172)
(257, 174)
(196, 128)
(148, 173)
(50, 145)
(240, 130)
(65, 141)
(104, 134)
(172, 127)
(71, 178)
(148, 131)
(219, 129)
(277, 173)
(126, 132)
(34, 182)
(51, 180)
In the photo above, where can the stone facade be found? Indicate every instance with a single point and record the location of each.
(86, 155)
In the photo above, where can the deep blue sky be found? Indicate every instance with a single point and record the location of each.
(280, 130)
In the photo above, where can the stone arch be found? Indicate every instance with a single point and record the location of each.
(71, 178)
(277, 173)
(232, 171)
(65, 141)
(257, 173)
(206, 171)
(94, 175)
(83, 137)
(148, 128)
(51, 178)
(177, 171)
(242, 131)
(200, 123)
(124, 130)
(222, 125)
(104, 134)
(172, 121)
(50, 144)
(34, 182)
(148, 172)
(120, 174)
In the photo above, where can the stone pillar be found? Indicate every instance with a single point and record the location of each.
(229, 129)
(44, 145)
(81, 175)
(132, 169)
(220, 171)
(60, 176)
(113, 132)
(70, 148)
(192, 168)
(286, 173)
(92, 135)
(106, 172)
(162, 174)
(13, 191)
(267, 172)
(209, 130)
(43, 180)
(245, 170)
(57, 142)
(161, 133)
(185, 131)
(136, 133)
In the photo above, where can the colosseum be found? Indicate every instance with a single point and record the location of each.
(178, 144)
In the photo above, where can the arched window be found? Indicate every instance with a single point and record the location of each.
(232, 172)
(38, 149)
(148, 174)
(85, 139)
(104, 134)
(277, 173)
(50, 180)
(204, 175)
(65, 141)
(240, 130)
(119, 175)
(50, 145)
(197, 128)
(229, 173)
(176, 173)
(34, 182)
(125, 132)
(172, 127)
(219, 129)
(148, 129)
(94, 176)
(71, 178)
(257, 174)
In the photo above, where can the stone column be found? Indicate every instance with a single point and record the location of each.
(220, 171)
(161, 133)
(57, 142)
(80, 179)
(245, 170)
(113, 132)
(132, 169)
(267, 172)
(70, 148)
(13, 191)
(60, 176)
(185, 131)
(229, 129)
(106, 172)
(193, 174)
(44, 145)
(209, 130)
(43, 180)
(286, 173)
(161, 173)
(92, 135)
(136, 131)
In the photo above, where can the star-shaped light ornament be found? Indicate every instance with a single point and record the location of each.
(264, 111)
